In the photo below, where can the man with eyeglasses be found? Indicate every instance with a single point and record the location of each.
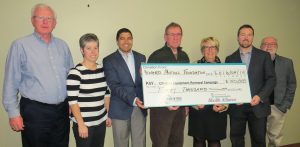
(36, 69)
(282, 97)
(167, 124)
(262, 81)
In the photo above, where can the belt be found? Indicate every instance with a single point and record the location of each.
(41, 103)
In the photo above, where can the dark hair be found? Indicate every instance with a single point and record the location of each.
(123, 30)
(171, 25)
(88, 38)
(245, 26)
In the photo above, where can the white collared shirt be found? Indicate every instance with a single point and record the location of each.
(129, 60)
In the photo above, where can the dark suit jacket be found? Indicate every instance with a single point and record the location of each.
(286, 84)
(123, 89)
(261, 79)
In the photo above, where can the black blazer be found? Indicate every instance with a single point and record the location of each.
(262, 80)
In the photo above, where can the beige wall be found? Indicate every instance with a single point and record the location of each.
(147, 19)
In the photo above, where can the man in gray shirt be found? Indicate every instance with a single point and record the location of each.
(36, 68)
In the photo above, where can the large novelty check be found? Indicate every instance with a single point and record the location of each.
(194, 84)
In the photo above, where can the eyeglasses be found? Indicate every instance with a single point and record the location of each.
(42, 18)
(269, 44)
(175, 35)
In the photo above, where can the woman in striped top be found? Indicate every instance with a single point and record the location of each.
(88, 96)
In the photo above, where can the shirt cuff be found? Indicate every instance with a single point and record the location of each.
(13, 113)
(134, 104)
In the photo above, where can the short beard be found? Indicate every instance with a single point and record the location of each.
(245, 46)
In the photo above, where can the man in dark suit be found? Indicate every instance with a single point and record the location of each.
(262, 81)
(122, 71)
(281, 99)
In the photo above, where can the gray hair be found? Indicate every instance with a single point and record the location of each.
(89, 37)
(263, 40)
(41, 5)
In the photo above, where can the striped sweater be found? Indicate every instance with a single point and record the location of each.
(87, 88)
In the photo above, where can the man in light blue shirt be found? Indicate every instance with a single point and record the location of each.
(36, 69)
